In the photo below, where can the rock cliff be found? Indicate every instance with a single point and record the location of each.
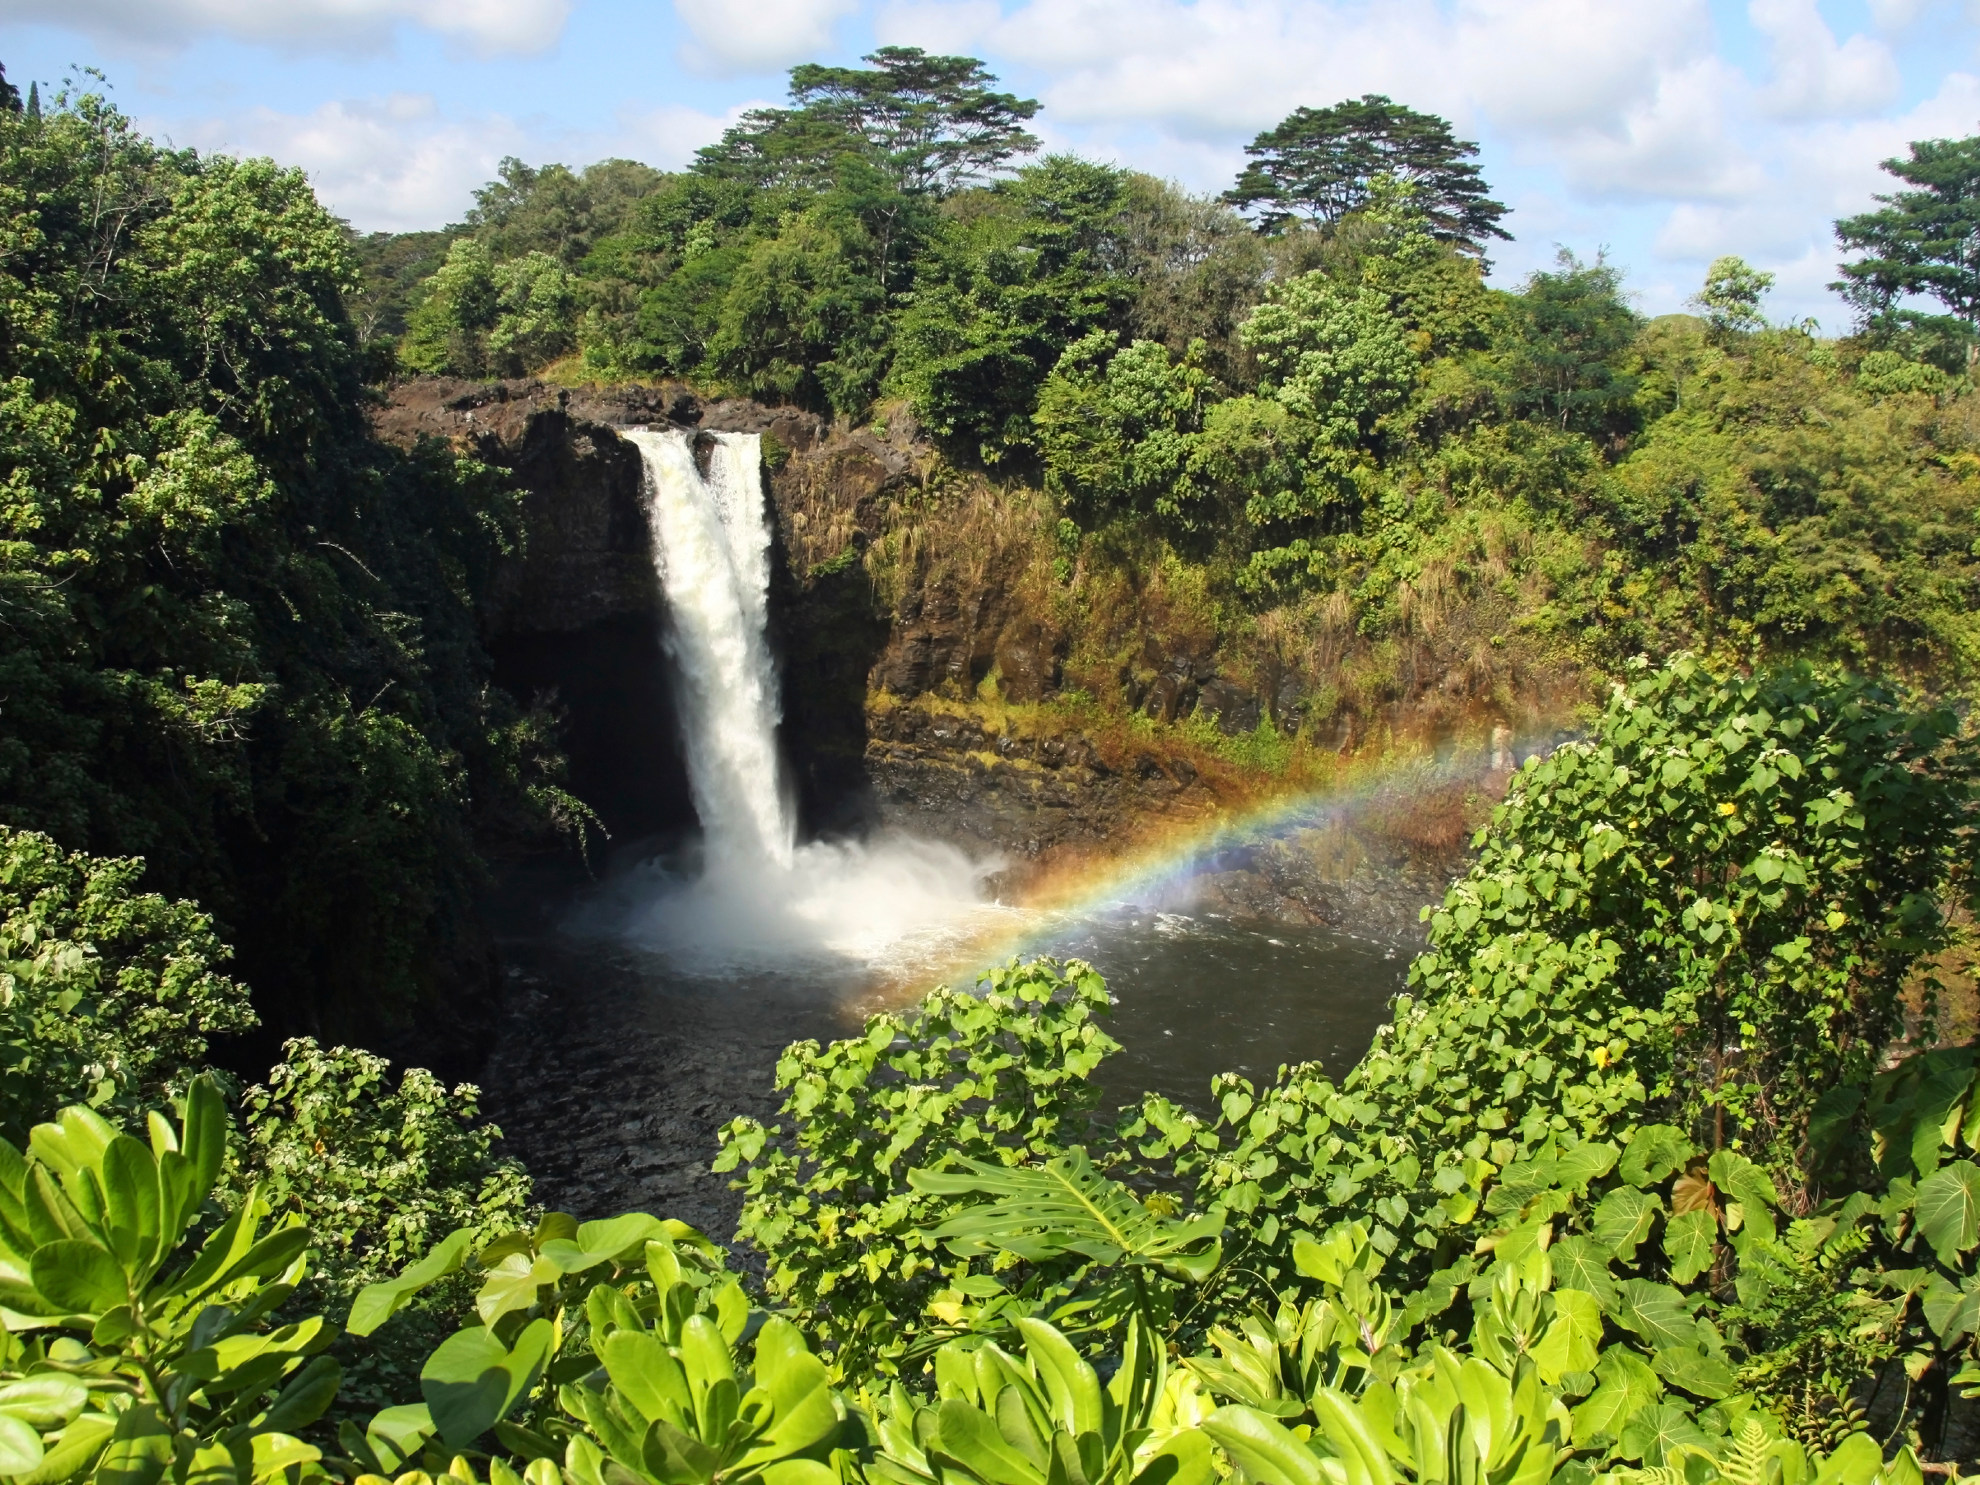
(929, 676)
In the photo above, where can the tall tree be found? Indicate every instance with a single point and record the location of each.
(934, 124)
(1925, 241)
(1317, 165)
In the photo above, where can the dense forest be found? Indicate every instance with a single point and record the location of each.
(1662, 1171)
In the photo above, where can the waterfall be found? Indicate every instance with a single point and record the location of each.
(711, 547)
(758, 899)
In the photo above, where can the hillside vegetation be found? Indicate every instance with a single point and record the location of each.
(1661, 1174)
(1325, 443)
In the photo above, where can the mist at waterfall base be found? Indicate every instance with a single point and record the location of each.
(749, 917)
(749, 898)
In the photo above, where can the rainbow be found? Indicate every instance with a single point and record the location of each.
(1161, 871)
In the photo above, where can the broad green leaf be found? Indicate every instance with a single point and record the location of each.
(1948, 1210)
(1654, 1311)
(398, 1433)
(1653, 1152)
(1624, 1383)
(799, 1389)
(1622, 1219)
(1855, 1461)
(140, 1447)
(20, 1446)
(45, 1400)
(967, 1435)
(1689, 1239)
(73, 1451)
(1182, 1459)
(276, 1452)
(1749, 1185)
(1655, 1431)
(269, 1256)
(1066, 1206)
(1697, 1373)
(377, 1303)
(799, 1472)
(1952, 1311)
(130, 1194)
(647, 1376)
(307, 1397)
(472, 1380)
(1262, 1447)
(1070, 1383)
(77, 1276)
(1581, 1262)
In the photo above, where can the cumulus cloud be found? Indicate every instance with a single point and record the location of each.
(398, 164)
(1816, 77)
(763, 36)
(390, 164)
(485, 27)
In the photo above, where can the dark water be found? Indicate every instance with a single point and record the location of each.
(1198, 994)
(613, 1073)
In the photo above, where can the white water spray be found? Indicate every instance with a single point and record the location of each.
(760, 899)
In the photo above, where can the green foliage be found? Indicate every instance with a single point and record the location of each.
(1000, 294)
(1576, 326)
(999, 1077)
(1116, 430)
(1321, 164)
(137, 1349)
(1730, 299)
(241, 632)
(378, 1175)
(448, 333)
(1922, 241)
(107, 994)
(931, 124)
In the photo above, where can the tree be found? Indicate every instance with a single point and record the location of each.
(1319, 164)
(1574, 326)
(1730, 298)
(1925, 241)
(934, 124)
(1002, 292)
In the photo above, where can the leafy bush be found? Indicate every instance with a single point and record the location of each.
(379, 1175)
(1001, 1076)
(107, 994)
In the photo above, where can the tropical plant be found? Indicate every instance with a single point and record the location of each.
(107, 994)
(1000, 1076)
(137, 1349)
(379, 1175)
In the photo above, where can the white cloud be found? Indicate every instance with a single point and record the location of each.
(398, 164)
(761, 36)
(385, 164)
(486, 27)
(1814, 76)
(667, 137)
(1818, 173)
(946, 27)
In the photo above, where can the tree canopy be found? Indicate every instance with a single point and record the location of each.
(1319, 164)
(1924, 241)
(931, 125)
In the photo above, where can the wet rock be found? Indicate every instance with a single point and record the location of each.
(1233, 709)
(1027, 665)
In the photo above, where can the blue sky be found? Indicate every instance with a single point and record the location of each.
(1667, 131)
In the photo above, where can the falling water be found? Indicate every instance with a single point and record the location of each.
(758, 899)
(711, 546)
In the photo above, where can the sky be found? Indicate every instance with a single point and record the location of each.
(1664, 132)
